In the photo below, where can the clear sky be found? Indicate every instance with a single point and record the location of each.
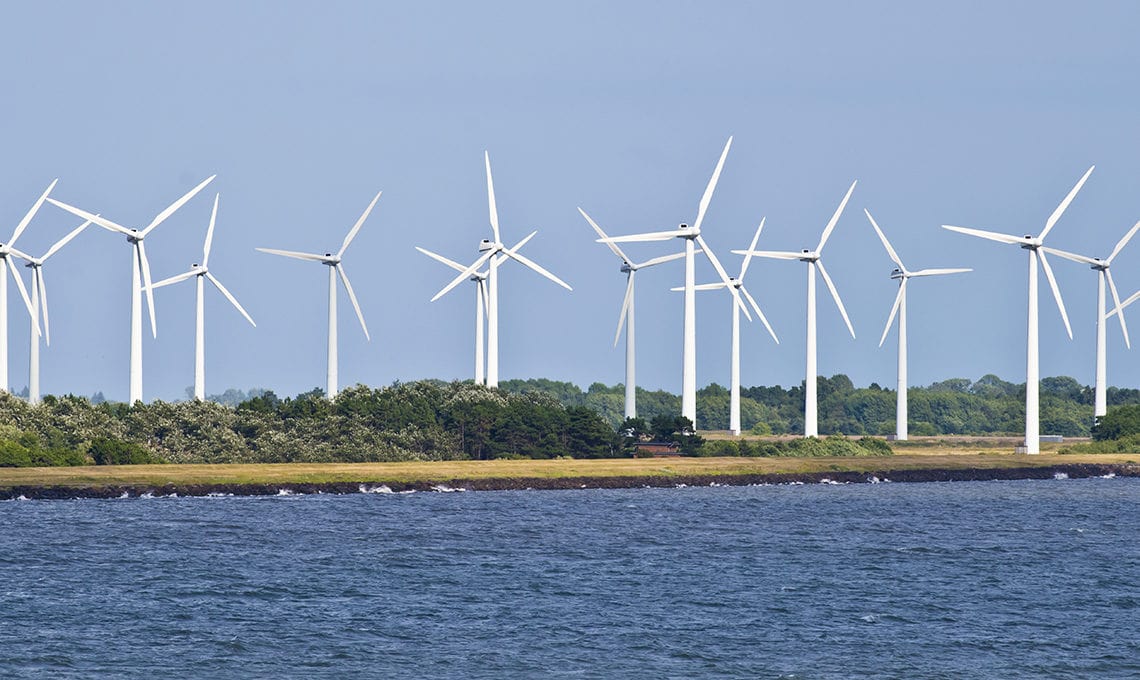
(972, 113)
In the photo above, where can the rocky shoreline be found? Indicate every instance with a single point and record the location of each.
(1072, 471)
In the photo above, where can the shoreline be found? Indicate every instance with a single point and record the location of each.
(884, 471)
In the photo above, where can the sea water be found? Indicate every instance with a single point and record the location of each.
(946, 580)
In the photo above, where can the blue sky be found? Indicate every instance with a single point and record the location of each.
(978, 114)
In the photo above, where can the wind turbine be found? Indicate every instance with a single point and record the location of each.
(902, 274)
(200, 272)
(1034, 244)
(737, 305)
(140, 276)
(6, 250)
(1103, 275)
(692, 236)
(39, 302)
(812, 258)
(625, 317)
(490, 249)
(480, 281)
(333, 262)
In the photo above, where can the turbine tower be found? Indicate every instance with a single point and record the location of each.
(333, 262)
(1034, 245)
(812, 258)
(902, 274)
(200, 272)
(6, 251)
(625, 317)
(490, 250)
(140, 276)
(40, 303)
(692, 236)
(480, 281)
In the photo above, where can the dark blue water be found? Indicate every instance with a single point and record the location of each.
(959, 580)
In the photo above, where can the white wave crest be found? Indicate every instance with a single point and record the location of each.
(1060, 475)
(383, 488)
(443, 488)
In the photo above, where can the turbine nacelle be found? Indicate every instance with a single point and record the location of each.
(897, 273)
(809, 255)
(486, 244)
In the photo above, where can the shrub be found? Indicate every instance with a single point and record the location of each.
(107, 451)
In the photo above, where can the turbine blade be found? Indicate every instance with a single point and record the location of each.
(64, 241)
(440, 258)
(492, 208)
(229, 296)
(613, 246)
(1065, 204)
(465, 274)
(38, 273)
(499, 259)
(174, 279)
(147, 286)
(1124, 241)
(1072, 256)
(210, 231)
(1116, 301)
(991, 235)
(771, 254)
(101, 221)
(722, 273)
(352, 298)
(764, 319)
(482, 287)
(359, 223)
(894, 310)
(751, 250)
(640, 238)
(294, 254)
(661, 260)
(624, 306)
(886, 244)
(1120, 307)
(835, 218)
(707, 198)
(835, 295)
(530, 263)
(937, 272)
(24, 294)
(1056, 293)
(31, 213)
(170, 209)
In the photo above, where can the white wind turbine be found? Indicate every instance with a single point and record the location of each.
(812, 258)
(40, 303)
(480, 281)
(625, 318)
(1103, 275)
(6, 251)
(490, 249)
(737, 305)
(1034, 245)
(333, 262)
(903, 275)
(692, 236)
(200, 272)
(140, 276)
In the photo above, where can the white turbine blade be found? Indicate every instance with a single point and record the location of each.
(764, 319)
(210, 231)
(662, 260)
(1120, 307)
(170, 209)
(1116, 301)
(939, 272)
(530, 263)
(886, 244)
(771, 254)
(24, 294)
(38, 273)
(147, 286)
(292, 253)
(174, 279)
(835, 218)
(1124, 241)
(624, 307)
(1056, 293)
(700, 286)
(835, 295)
(352, 297)
(64, 241)
(101, 221)
(613, 246)
(31, 213)
(229, 296)
(1065, 204)
(894, 310)
(499, 259)
(721, 272)
(359, 223)
(751, 250)
(482, 288)
(1072, 256)
(640, 238)
(440, 258)
(991, 235)
(707, 198)
(492, 208)
(465, 274)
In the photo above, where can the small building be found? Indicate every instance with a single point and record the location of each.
(657, 449)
